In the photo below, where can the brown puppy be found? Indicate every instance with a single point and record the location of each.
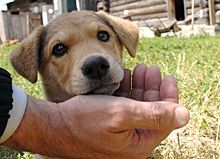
(77, 53)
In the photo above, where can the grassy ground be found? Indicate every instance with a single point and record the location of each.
(195, 62)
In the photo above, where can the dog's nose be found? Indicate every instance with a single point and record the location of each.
(95, 67)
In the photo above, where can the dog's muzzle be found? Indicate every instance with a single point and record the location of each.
(100, 77)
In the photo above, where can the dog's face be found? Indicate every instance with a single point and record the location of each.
(77, 53)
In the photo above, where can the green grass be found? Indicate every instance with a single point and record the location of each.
(195, 62)
(34, 90)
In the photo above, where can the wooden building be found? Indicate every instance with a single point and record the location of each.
(22, 18)
(151, 12)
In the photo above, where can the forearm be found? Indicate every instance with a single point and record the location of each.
(43, 131)
(37, 130)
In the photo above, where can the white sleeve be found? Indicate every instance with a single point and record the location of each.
(16, 113)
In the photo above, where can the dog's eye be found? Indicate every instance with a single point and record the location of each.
(103, 36)
(59, 50)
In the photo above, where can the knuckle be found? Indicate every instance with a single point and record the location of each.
(161, 117)
(117, 119)
(156, 115)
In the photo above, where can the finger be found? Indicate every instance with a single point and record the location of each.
(138, 82)
(169, 89)
(125, 85)
(148, 115)
(152, 84)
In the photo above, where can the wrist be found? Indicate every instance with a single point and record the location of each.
(5, 99)
(16, 113)
(33, 133)
(12, 105)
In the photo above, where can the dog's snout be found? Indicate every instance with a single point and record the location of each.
(95, 67)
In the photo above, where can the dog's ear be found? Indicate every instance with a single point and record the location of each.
(24, 58)
(126, 31)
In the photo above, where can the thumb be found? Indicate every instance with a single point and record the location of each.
(149, 115)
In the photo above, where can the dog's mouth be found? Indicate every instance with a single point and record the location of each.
(105, 89)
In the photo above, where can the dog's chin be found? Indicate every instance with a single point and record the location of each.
(105, 89)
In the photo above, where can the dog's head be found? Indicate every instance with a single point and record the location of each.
(77, 53)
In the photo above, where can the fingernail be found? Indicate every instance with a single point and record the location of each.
(181, 117)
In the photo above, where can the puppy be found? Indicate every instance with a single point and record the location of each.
(77, 53)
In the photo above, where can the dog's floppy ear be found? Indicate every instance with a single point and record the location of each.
(126, 31)
(24, 58)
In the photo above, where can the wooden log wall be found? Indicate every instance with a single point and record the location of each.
(149, 11)
(217, 11)
(201, 11)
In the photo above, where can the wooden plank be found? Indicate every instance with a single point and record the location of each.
(171, 8)
(8, 25)
(193, 7)
(184, 4)
(197, 3)
(121, 2)
(189, 11)
(149, 16)
(212, 12)
(198, 11)
(140, 11)
(199, 21)
(199, 14)
(134, 5)
(34, 21)
(151, 22)
(2, 27)
(25, 23)
(17, 27)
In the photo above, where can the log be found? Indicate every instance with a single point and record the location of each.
(151, 23)
(212, 12)
(189, 11)
(217, 17)
(149, 16)
(112, 0)
(158, 25)
(140, 11)
(134, 5)
(217, 6)
(119, 14)
(197, 11)
(171, 9)
(121, 2)
(198, 3)
(199, 14)
(201, 21)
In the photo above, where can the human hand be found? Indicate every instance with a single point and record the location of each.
(117, 127)
(147, 85)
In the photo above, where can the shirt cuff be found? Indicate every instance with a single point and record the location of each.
(16, 114)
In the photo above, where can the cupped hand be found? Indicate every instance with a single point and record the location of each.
(118, 127)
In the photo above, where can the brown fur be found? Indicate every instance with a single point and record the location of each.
(62, 76)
